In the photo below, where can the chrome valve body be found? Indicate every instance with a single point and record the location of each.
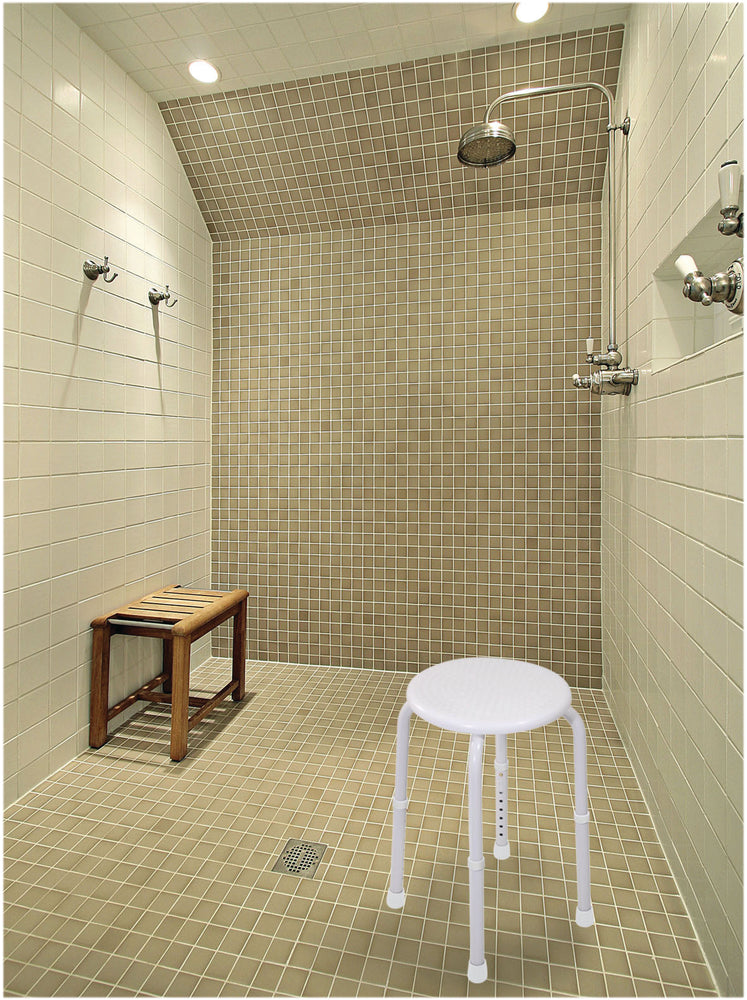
(608, 381)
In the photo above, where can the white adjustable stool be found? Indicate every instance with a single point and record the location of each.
(487, 696)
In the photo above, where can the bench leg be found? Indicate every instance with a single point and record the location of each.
(168, 660)
(99, 685)
(179, 697)
(239, 652)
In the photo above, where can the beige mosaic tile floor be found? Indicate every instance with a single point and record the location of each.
(127, 874)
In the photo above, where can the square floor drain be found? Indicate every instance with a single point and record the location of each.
(300, 857)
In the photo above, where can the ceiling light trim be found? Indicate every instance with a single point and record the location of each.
(204, 72)
(530, 11)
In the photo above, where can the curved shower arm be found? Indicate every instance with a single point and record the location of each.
(557, 88)
(563, 88)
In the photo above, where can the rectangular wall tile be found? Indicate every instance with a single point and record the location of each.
(107, 403)
(672, 479)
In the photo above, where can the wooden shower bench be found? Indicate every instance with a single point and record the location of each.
(178, 617)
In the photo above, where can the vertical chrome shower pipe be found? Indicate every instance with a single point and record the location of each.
(564, 88)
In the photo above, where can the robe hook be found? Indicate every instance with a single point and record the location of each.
(92, 270)
(155, 297)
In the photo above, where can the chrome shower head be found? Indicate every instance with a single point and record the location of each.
(486, 145)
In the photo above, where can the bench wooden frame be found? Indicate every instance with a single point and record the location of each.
(178, 616)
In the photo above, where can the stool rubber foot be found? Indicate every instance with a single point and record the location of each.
(585, 918)
(501, 851)
(395, 900)
(477, 973)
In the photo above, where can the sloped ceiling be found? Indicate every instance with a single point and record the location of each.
(257, 43)
(370, 146)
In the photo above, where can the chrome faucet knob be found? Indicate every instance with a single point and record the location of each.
(696, 286)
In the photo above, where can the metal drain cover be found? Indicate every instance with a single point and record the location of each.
(300, 857)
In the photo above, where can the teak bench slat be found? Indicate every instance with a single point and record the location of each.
(178, 616)
(186, 601)
(145, 614)
(179, 606)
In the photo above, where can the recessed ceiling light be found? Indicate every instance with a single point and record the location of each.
(204, 71)
(530, 10)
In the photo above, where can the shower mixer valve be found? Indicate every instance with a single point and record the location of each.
(611, 379)
(608, 381)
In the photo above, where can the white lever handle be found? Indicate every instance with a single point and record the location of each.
(589, 345)
(728, 184)
(686, 265)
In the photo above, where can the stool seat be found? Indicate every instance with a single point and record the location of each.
(488, 695)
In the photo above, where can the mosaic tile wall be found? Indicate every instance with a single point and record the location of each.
(402, 471)
(373, 146)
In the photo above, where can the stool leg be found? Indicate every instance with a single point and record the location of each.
(179, 697)
(584, 910)
(395, 898)
(501, 848)
(99, 685)
(477, 970)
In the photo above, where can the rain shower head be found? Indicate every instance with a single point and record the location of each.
(486, 145)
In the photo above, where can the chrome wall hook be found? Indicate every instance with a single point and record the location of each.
(155, 297)
(92, 270)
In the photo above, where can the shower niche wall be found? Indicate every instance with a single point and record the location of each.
(680, 327)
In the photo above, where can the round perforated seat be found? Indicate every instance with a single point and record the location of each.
(489, 696)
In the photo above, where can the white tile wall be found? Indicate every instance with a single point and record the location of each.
(672, 479)
(107, 415)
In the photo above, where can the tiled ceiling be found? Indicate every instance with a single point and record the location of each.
(372, 146)
(256, 44)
